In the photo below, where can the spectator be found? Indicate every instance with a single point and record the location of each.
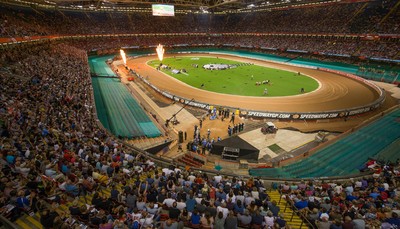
(219, 221)
(207, 220)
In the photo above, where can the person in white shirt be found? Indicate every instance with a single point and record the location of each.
(126, 171)
(168, 201)
(167, 171)
(138, 169)
(150, 163)
(22, 168)
(248, 199)
(255, 194)
(217, 178)
(176, 170)
(191, 177)
(349, 189)
(61, 185)
(231, 196)
(386, 186)
(198, 198)
(153, 209)
(181, 205)
(358, 184)
(338, 189)
(51, 172)
(269, 220)
(104, 167)
(80, 152)
(223, 209)
(146, 220)
(136, 215)
(129, 157)
(240, 197)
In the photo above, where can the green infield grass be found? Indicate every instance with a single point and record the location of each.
(239, 79)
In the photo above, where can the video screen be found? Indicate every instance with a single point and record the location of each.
(163, 10)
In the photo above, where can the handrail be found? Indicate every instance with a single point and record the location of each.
(301, 215)
(295, 210)
(7, 223)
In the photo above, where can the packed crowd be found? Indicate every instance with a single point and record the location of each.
(356, 203)
(50, 145)
(361, 17)
(385, 48)
(50, 141)
(355, 17)
(174, 198)
(52, 152)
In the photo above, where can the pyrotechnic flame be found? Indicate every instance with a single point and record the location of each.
(160, 52)
(123, 55)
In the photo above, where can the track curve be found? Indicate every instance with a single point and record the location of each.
(336, 92)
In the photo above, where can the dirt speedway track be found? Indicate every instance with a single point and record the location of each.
(334, 93)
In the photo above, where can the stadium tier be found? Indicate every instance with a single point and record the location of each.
(72, 115)
(347, 155)
(351, 17)
(119, 111)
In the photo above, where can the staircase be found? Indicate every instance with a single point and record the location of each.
(357, 12)
(27, 221)
(293, 58)
(392, 10)
(291, 218)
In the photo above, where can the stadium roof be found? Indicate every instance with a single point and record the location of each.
(197, 6)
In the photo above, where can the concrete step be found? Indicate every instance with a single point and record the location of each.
(296, 222)
(31, 222)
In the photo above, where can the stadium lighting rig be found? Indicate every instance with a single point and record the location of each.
(181, 6)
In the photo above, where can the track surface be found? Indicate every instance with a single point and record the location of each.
(335, 92)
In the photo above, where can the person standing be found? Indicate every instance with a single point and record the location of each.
(195, 131)
(233, 118)
(266, 91)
